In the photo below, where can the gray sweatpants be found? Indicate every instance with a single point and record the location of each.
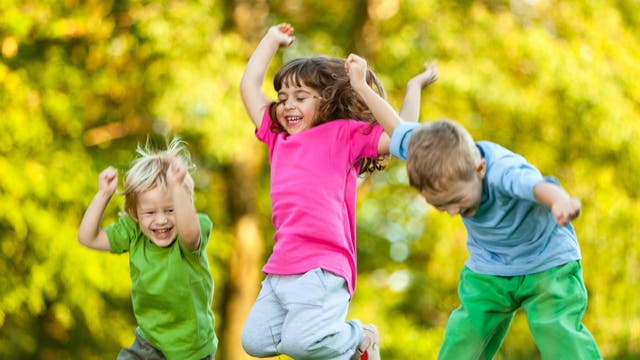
(302, 316)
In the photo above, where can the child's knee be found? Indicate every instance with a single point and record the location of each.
(248, 344)
(298, 344)
(253, 345)
(294, 348)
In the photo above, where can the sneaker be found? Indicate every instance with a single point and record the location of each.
(369, 348)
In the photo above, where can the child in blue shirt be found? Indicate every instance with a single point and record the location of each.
(523, 251)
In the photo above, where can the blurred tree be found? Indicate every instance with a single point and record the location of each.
(83, 82)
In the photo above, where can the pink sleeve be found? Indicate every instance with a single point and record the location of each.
(264, 131)
(364, 140)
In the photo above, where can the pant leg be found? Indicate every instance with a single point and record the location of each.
(477, 328)
(262, 330)
(555, 304)
(315, 326)
(140, 350)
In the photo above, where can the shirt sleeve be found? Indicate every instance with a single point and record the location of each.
(262, 132)
(363, 139)
(205, 230)
(518, 178)
(400, 139)
(121, 234)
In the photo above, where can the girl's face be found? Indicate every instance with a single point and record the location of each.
(155, 216)
(297, 108)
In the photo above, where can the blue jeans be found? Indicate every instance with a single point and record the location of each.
(302, 316)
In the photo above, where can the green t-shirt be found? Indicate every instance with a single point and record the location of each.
(171, 290)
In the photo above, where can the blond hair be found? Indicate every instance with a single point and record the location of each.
(149, 170)
(440, 153)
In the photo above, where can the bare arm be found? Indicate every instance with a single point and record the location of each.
(563, 207)
(410, 110)
(187, 223)
(89, 232)
(253, 98)
(383, 112)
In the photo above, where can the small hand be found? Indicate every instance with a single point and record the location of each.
(425, 78)
(108, 181)
(566, 210)
(282, 33)
(356, 68)
(176, 172)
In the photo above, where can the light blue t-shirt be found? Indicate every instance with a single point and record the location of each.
(511, 234)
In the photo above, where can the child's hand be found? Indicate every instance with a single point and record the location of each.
(108, 181)
(176, 172)
(565, 210)
(282, 34)
(425, 78)
(356, 68)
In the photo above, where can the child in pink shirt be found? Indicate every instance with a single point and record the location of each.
(320, 137)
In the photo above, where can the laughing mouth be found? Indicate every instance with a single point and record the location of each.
(293, 119)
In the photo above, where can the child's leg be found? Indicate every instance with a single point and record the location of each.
(555, 303)
(315, 326)
(140, 349)
(263, 327)
(477, 328)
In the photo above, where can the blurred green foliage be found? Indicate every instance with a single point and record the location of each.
(83, 82)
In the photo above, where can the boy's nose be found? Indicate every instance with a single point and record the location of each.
(453, 210)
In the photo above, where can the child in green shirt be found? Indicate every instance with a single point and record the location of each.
(172, 286)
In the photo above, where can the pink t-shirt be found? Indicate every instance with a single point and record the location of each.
(313, 195)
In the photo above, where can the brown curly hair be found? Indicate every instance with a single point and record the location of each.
(327, 75)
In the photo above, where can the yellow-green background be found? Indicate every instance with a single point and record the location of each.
(83, 82)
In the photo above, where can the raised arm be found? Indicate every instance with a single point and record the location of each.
(253, 98)
(184, 211)
(89, 232)
(563, 207)
(383, 112)
(410, 110)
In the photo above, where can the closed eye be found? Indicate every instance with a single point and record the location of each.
(443, 206)
(297, 95)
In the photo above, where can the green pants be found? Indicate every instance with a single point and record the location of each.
(554, 301)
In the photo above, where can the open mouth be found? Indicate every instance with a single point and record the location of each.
(162, 232)
(293, 120)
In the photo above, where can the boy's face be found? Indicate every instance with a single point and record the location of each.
(156, 217)
(459, 198)
(297, 108)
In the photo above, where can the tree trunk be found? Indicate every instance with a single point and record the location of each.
(245, 264)
(243, 285)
